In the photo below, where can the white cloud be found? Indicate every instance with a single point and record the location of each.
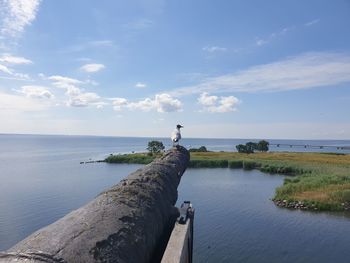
(64, 82)
(16, 15)
(76, 96)
(305, 71)
(212, 49)
(84, 99)
(214, 104)
(207, 100)
(312, 22)
(226, 104)
(161, 103)
(140, 85)
(91, 82)
(263, 41)
(36, 92)
(5, 69)
(57, 78)
(90, 68)
(118, 103)
(42, 76)
(7, 58)
(144, 105)
(15, 75)
(15, 103)
(100, 104)
(72, 91)
(165, 103)
(79, 98)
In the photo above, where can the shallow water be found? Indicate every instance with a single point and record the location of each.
(235, 221)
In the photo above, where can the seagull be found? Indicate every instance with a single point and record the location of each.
(176, 135)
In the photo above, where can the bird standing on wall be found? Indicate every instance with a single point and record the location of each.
(176, 135)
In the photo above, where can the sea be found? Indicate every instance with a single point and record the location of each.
(42, 179)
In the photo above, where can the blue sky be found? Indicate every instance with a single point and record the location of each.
(223, 69)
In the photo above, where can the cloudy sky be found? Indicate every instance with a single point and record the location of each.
(223, 69)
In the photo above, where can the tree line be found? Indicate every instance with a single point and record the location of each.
(156, 147)
(250, 147)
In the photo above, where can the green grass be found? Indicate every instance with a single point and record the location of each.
(208, 164)
(139, 158)
(320, 180)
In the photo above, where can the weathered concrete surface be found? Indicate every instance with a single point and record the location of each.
(177, 250)
(180, 244)
(122, 224)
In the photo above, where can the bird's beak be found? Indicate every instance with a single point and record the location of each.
(182, 126)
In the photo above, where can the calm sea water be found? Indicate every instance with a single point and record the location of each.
(235, 221)
(41, 180)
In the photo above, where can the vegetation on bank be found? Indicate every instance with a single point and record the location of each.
(251, 147)
(155, 147)
(320, 181)
(200, 149)
(138, 158)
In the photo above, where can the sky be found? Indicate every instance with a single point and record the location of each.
(272, 69)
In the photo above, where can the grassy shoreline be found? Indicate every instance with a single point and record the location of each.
(320, 181)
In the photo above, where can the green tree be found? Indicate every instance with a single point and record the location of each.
(242, 148)
(155, 147)
(251, 147)
(200, 149)
(263, 146)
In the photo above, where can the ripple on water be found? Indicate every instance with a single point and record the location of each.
(236, 220)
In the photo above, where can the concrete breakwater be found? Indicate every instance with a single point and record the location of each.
(122, 224)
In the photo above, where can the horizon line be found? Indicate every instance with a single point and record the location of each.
(160, 137)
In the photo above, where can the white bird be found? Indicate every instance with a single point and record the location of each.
(176, 135)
